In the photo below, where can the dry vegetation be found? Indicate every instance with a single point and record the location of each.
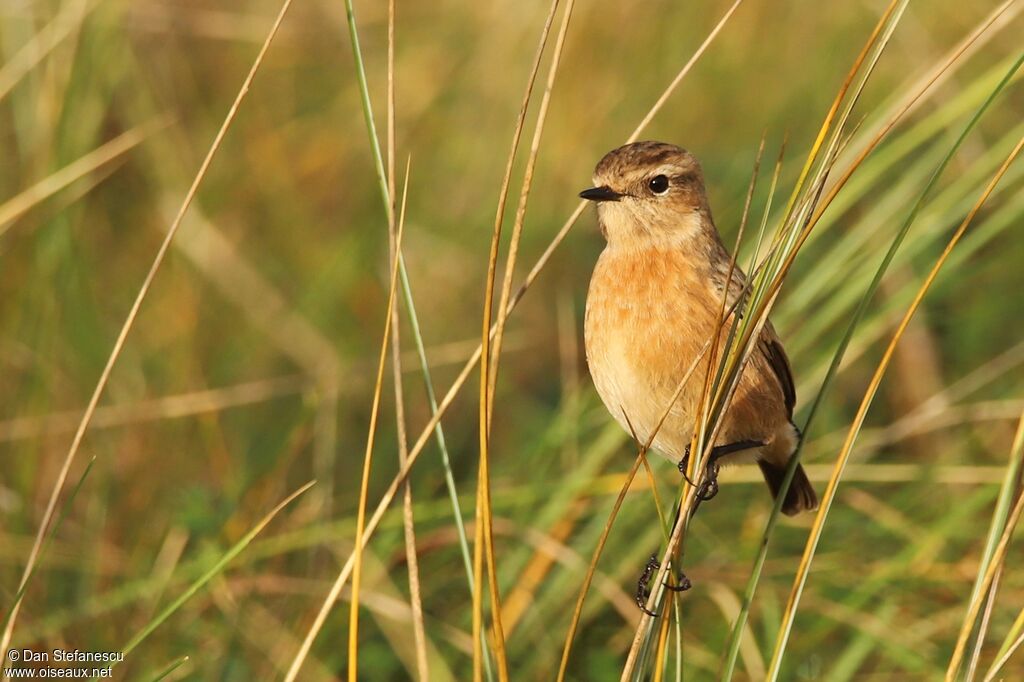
(214, 293)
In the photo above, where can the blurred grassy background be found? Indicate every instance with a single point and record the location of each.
(221, 401)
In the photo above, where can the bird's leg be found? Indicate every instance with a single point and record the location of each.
(707, 489)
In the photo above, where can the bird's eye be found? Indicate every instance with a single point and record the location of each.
(658, 184)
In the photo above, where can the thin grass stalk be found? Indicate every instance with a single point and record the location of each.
(432, 426)
(483, 536)
(653, 111)
(661, 654)
(911, 102)
(1011, 483)
(589, 575)
(1015, 636)
(979, 640)
(367, 107)
(353, 618)
(843, 457)
(408, 517)
(679, 637)
(325, 464)
(209, 575)
(170, 668)
(392, 181)
(658, 582)
(65, 509)
(972, 613)
(1017, 629)
(483, 544)
(658, 509)
(386, 187)
(524, 195)
(704, 404)
(1007, 491)
(907, 106)
(130, 320)
(765, 214)
(111, 150)
(43, 43)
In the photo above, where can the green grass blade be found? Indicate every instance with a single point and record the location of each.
(790, 613)
(20, 594)
(210, 574)
(170, 668)
(407, 295)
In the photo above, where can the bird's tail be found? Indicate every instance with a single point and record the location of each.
(800, 496)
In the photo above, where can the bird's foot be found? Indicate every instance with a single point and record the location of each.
(709, 486)
(643, 590)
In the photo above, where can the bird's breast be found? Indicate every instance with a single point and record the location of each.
(648, 316)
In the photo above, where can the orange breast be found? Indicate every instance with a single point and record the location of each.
(649, 314)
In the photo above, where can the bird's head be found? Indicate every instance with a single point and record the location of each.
(649, 192)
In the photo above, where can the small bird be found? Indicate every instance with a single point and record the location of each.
(654, 301)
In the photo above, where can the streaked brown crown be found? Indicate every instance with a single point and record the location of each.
(628, 159)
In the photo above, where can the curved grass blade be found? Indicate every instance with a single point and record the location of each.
(209, 575)
(353, 632)
(1007, 491)
(735, 637)
(1015, 636)
(483, 542)
(20, 594)
(812, 542)
(129, 321)
(174, 665)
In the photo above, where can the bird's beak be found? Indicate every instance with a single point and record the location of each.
(603, 193)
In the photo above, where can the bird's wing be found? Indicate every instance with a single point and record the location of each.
(773, 352)
(769, 346)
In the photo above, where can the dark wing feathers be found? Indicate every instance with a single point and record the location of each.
(769, 345)
(777, 360)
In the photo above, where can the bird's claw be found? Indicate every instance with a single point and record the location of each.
(709, 488)
(683, 586)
